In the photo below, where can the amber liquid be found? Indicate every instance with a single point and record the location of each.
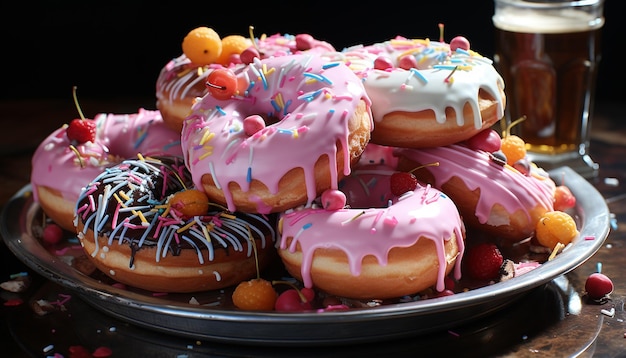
(550, 79)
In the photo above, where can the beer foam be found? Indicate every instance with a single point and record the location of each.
(553, 21)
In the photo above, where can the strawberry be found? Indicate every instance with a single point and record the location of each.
(81, 131)
(483, 262)
(401, 182)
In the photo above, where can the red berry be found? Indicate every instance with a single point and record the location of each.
(79, 352)
(407, 62)
(52, 234)
(221, 83)
(401, 182)
(483, 262)
(459, 42)
(291, 301)
(81, 131)
(304, 42)
(488, 140)
(382, 63)
(598, 286)
(248, 55)
(563, 198)
(333, 199)
(102, 352)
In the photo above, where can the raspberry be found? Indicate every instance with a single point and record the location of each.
(555, 227)
(255, 295)
(402, 182)
(514, 148)
(81, 131)
(483, 262)
(202, 46)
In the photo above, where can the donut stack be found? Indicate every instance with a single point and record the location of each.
(363, 169)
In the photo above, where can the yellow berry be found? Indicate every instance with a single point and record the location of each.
(232, 45)
(255, 295)
(190, 203)
(202, 46)
(514, 148)
(555, 227)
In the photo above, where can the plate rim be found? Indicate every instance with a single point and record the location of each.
(591, 207)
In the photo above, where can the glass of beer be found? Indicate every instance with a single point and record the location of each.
(548, 53)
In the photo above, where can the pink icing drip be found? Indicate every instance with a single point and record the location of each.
(359, 233)
(277, 150)
(503, 185)
(118, 136)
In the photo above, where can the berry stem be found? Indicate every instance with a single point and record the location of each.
(251, 31)
(256, 255)
(512, 124)
(440, 32)
(303, 298)
(434, 164)
(80, 112)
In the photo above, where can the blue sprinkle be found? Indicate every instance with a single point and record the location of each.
(306, 226)
(329, 65)
(419, 75)
(318, 77)
(249, 175)
(285, 111)
(275, 105)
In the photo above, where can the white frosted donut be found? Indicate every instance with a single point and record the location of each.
(406, 246)
(132, 232)
(311, 121)
(423, 93)
(61, 166)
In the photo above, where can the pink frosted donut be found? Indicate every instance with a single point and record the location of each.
(492, 196)
(311, 121)
(424, 94)
(181, 82)
(375, 252)
(61, 167)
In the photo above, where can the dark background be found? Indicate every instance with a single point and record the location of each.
(116, 49)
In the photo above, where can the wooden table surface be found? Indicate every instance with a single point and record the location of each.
(542, 327)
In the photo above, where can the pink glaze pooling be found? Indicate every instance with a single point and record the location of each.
(118, 136)
(440, 79)
(422, 214)
(498, 184)
(312, 100)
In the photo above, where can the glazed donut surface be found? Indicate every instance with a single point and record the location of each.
(402, 248)
(61, 167)
(424, 94)
(314, 123)
(491, 196)
(132, 234)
